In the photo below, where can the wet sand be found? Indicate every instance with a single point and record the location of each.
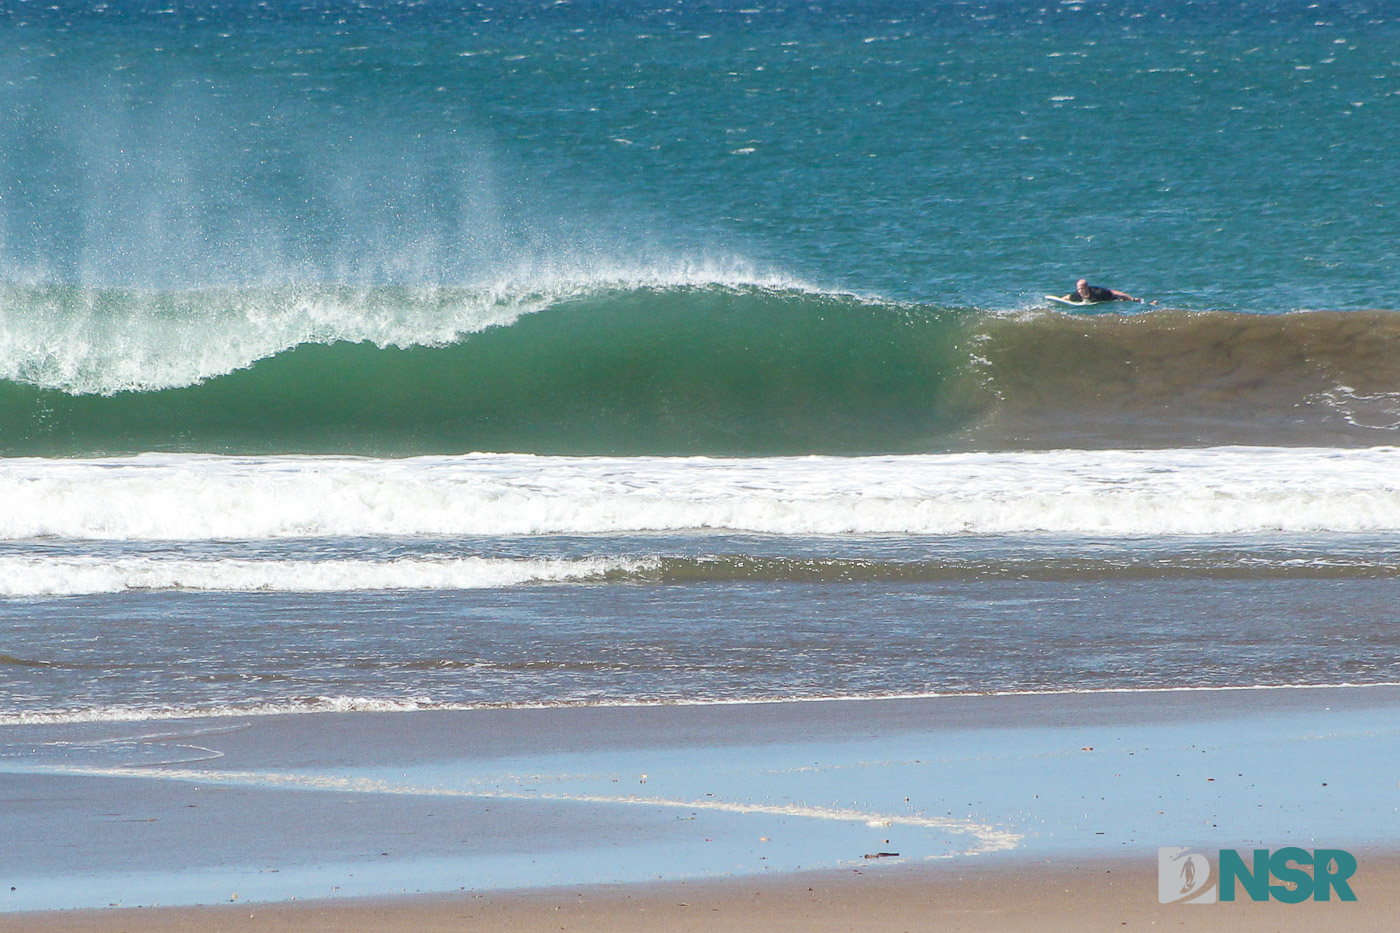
(1012, 812)
(1063, 896)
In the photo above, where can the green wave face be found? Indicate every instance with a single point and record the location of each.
(673, 369)
(652, 370)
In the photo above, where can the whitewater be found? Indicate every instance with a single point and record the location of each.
(1199, 491)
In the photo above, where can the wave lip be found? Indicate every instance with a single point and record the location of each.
(1192, 491)
(102, 341)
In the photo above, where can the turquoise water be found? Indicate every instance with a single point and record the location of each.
(1244, 158)
(704, 205)
(1236, 155)
(743, 233)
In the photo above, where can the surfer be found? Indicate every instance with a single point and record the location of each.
(1083, 291)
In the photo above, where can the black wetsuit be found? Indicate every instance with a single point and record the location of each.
(1095, 294)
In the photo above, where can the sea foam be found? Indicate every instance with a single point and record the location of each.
(1198, 491)
(49, 576)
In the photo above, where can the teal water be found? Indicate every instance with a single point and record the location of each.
(1237, 155)
(190, 191)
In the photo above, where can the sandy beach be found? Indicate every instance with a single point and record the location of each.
(1011, 812)
(1087, 897)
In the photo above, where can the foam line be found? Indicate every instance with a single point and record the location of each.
(989, 838)
(411, 705)
(47, 576)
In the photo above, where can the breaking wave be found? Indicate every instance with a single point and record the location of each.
(687, 362)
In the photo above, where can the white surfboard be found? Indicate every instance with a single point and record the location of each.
(1074, 304)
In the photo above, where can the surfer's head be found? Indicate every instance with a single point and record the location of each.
(1082, 286)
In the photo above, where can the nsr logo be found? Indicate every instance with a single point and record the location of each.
(1183, 875)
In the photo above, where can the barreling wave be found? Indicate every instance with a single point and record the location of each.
(685, 364)
(625, 369)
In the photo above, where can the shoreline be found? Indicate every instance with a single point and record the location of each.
(362, 807)
(378, 707)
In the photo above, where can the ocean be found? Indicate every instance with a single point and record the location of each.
(456, 355)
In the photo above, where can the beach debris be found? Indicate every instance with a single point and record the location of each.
(882, 855)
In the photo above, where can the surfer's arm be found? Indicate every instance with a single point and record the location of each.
(1123, 296)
